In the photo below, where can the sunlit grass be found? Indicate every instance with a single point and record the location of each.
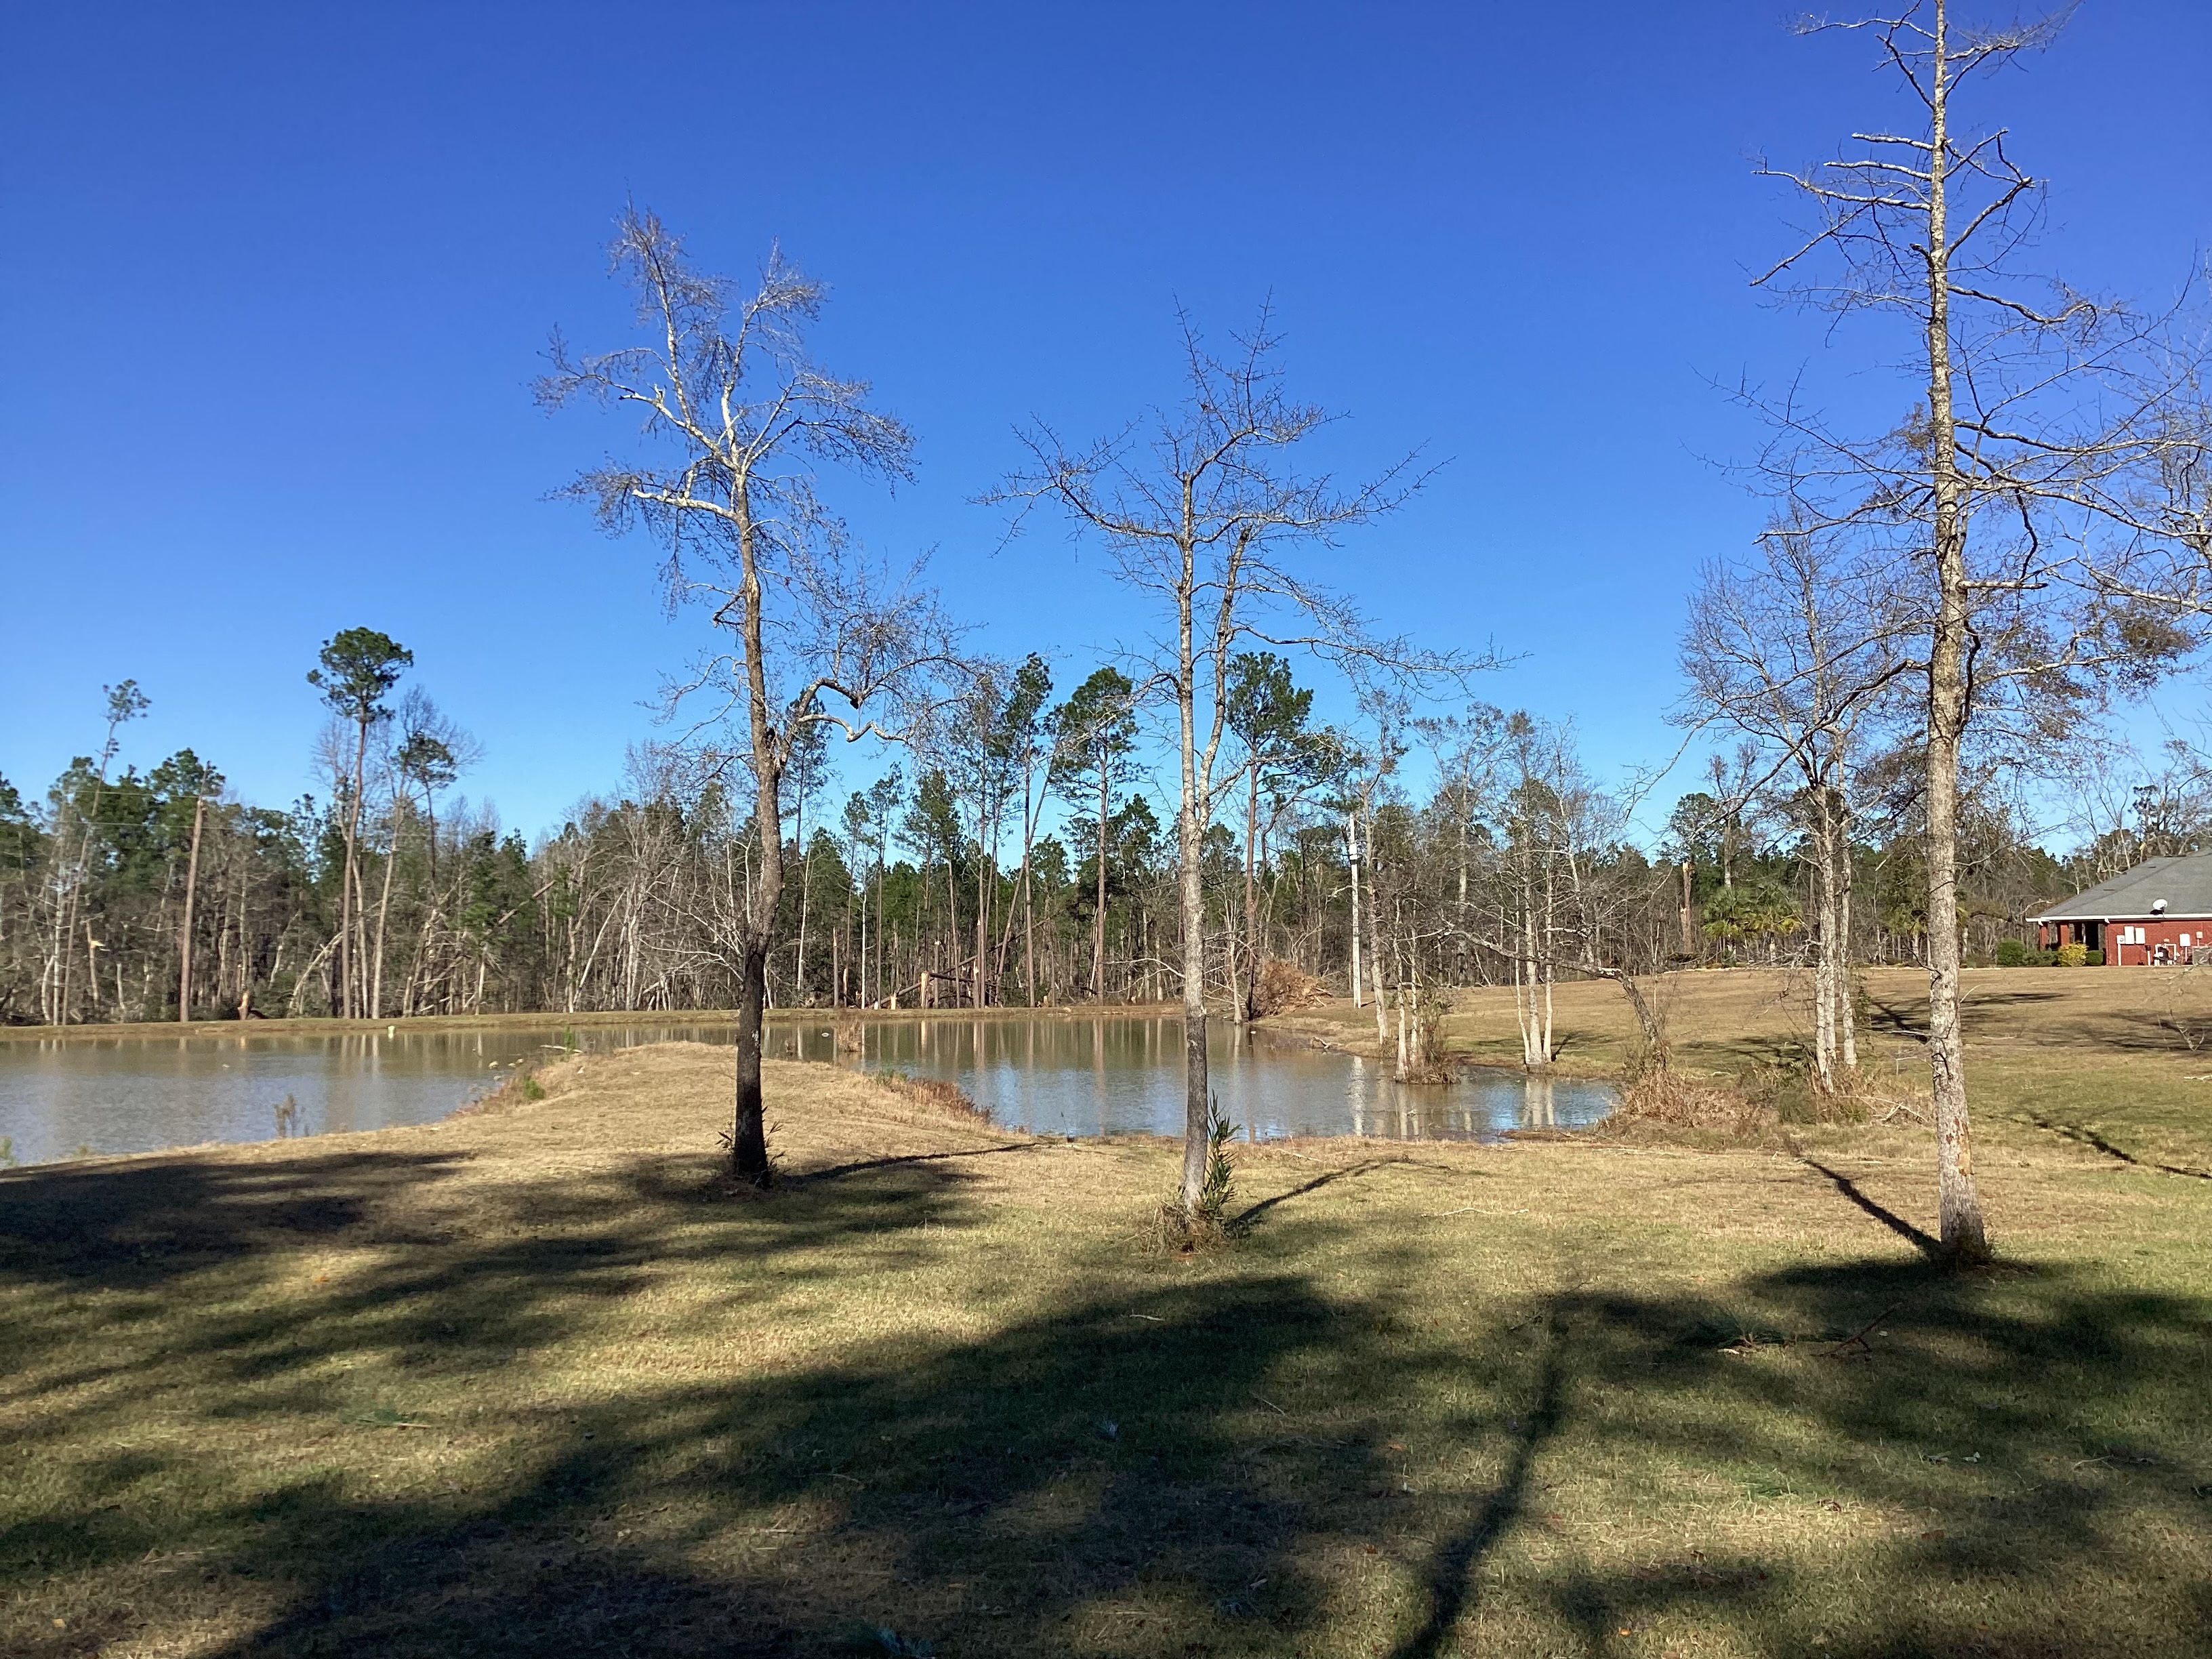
(2116, 1061)
(538, 1381)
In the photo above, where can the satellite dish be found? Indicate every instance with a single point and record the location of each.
(2158, 907)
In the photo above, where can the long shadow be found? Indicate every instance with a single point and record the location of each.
(1157, 1461)
(858, 1165)
(2088, 1137)
(1898, 1020)
(139, 1224)
(1255, 1214)
(1452, 1571)
(1926, 1244)
(447, 1298)
(1994, 1014)
(2041, 1421)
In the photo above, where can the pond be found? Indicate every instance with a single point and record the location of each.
(1058, 1075)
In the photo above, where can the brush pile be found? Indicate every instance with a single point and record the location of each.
(1283, 987)
(1661, 1095)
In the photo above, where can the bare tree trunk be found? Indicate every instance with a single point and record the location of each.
(1375, 946)
(984, 883)
(1524, 965)
(383, 910)
(1847, 981)
(1824, 962)
(1654, 1034)
(886, 943)
(798, 994)
(1551, 957)
(1960, 1203)
(1352, 858)
(1098, 917)
(345, 959)
(1029, 935)
(1247, 1001)
(184, 926)
(1550, 1045)
(1198, 1100)
(1197, 1093)
(1405, 1056)
(748, 1129)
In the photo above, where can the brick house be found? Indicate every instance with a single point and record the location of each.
(2160, 912)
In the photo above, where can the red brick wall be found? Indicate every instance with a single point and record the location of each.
(2156, 931)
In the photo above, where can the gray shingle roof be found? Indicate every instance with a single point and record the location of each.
(2185, 884)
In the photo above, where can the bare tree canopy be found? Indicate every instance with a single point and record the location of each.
(2017, 502)
(1202, 508)
(738, 417)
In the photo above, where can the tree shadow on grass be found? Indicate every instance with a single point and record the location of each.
(1109, 1466)
(2082, 1134)
(1926, 1244)
(2014, 1440)
(136, 1226)
(1253, 1214)
(1171, 1461)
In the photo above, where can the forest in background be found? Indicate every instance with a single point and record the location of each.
(1481, 850)
(1948, 604)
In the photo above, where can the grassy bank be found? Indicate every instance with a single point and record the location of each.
(2118, 1060)
(536, 1381)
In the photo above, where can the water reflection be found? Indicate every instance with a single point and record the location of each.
(1056, 1074)
(1079, 1075)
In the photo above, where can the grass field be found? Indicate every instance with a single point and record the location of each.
(536, 1381)
(2120, 1060)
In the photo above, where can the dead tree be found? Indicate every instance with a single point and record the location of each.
(738, 417)
(1796, 646)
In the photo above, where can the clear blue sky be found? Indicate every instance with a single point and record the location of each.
(276, 280)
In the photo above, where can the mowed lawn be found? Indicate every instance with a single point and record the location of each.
(536, 1381)
(2116, 1060)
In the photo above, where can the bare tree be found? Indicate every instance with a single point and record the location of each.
(1201, 516)
(1796, 646)
(2036, 413)
(1466, 751)
(741, 415)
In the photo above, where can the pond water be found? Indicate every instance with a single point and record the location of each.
(1057, 1075)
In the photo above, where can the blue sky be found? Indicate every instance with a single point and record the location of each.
(276, 280)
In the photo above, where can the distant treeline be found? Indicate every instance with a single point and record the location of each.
(1509, 867)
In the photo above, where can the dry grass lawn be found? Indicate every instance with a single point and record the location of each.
(536, 1380)
(2117, 1061)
